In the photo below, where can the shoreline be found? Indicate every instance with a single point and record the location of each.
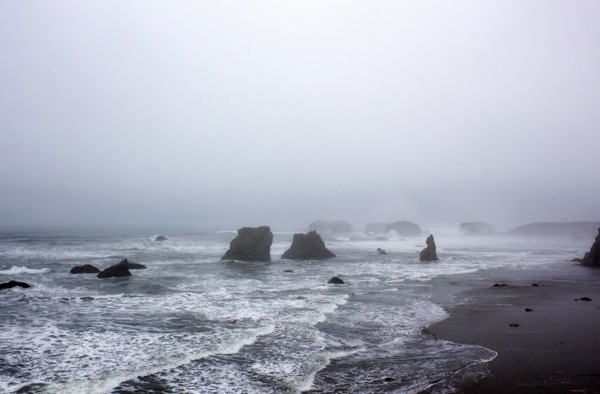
(546, 340)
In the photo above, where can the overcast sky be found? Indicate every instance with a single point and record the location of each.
(233, 113)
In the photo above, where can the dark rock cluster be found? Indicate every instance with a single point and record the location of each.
(120, 269)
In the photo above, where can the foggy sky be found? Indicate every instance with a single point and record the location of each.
(231, 113)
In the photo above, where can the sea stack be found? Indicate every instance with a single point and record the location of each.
(251, 244)
(307, 246)
(428, 254)
(592, 258)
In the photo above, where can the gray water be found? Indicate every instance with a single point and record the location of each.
(195, 324)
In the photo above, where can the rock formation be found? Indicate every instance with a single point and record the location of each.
(571, 230)
(13, 283)
(251, 244)
(592, 258)
(135, 266)
(118, 270)
(85, 269)
(307, 246)
(333, 226)
(477, 228)
(160, 238)
(404, 228)
(428, 254)
(335, 281)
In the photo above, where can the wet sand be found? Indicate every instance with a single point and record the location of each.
(547, 342)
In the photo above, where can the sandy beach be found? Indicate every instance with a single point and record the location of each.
(543, 323)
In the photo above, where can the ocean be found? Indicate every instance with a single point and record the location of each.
(192, 323)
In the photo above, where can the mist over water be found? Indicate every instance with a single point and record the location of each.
(231, 114)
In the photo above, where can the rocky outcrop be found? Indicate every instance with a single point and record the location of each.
(84, 269)
(135, 266)
(333, 226)
(477, 228)
(118, 270)
(428, 254)
(160, 238)
(13, 283)
(335, 281)
(251, 244)
(571, 230)
(592, 258)
(307, 246)
(404, 228)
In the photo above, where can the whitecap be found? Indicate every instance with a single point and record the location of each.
(17, 270)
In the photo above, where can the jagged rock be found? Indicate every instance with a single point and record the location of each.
(333, 226)
(120, 269)
(381, 251)
(14, 283)
(335, 281)
(592, 258)
(251, 244)
(307, 246)
(160, 238)
(84, 269)
(500, 285)
(477, 228)
(404, 228)
(428, 254)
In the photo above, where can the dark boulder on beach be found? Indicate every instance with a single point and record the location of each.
(118, 270)
(335, 281)
(307, 246)
(592, 258)
(14, 283)
(251, 244)
(84, 269)
(160, 238)
(428, 254)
